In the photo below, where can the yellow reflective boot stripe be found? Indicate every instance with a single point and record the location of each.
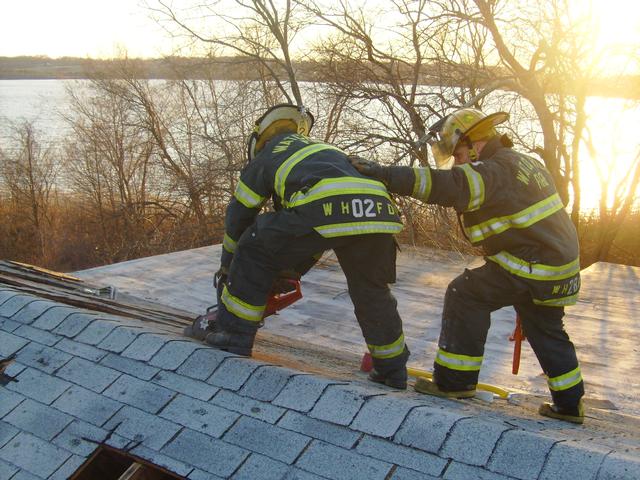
(283, 171)
(242, 309)
(357, 228)
(455, 361)
(558, 302)
(329, 187)
(566, 381)
(248, 197)
(535, 271)
(387, 351)
(229, 244)
(522, 219)
(422, 185)
(476, 187)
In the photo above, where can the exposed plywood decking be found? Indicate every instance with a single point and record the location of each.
(604, 325)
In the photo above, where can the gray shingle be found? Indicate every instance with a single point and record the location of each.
(206, 453)
(14, 304)
(32, 311)
(201, 363)
(520, 454)
(383, 415)
(74, 324)
(34, 455)
(119, 339)
(426, 428)
(173, 354)
(80, 350)
(7, 432)
(138, 426)
(620, 465)
(161, 460)
(88, 374)
(53, 317)
(248, 406)
(401, 473)
(200, 416)
(36, 335)
(43, 358)
(10, 344)
(38, 385)
(485, 436)
(8, 401)
(460, 471)
(5, 294)
(145, 346)
(7, 471)
(264, 468)
(335, 434)
(80, 438)
(87, 405)
(302, 392)
(198, 474)
(403, 456)
(335, 462)
(24, 475)
(68, 468)
(97, 331)
(143, 395)
(233, 373)
(8, 325)
(340, 403)
(127, 365)
(188, 386)
(41, 420)
(576, 460)
(266, 382)
(267, 439)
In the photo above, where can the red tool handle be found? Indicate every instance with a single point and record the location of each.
(279, 301)
(517, 336)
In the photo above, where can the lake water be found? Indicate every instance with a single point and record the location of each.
(613, 127)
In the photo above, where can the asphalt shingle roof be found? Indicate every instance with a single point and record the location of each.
(86, 378)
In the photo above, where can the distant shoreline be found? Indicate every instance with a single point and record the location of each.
(224, 68)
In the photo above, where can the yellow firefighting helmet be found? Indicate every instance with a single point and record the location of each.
(278, 119)
(466, 124)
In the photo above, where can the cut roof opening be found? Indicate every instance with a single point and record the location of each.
(107, 463)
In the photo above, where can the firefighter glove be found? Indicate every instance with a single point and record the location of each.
(370, 168)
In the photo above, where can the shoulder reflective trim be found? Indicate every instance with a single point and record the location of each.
(248, 197)
(535, 271)
(476, 187)
(566, 381)
(387, 351)
(455, 361)
(229, 244)
(239, 308)
(330, 187)
(357, 228)
(422, 185)
(283, 171)
(558, 302)
(522, 219)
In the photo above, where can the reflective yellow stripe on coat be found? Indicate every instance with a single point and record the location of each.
(242, 309)
(329, 187)
(566, 381)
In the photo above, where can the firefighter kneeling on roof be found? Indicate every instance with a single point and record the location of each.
(321, 202)
(510, 207)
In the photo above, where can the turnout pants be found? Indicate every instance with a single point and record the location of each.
(469, 301)
(367, 260)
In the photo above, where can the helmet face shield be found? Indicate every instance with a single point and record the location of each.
(280, 118)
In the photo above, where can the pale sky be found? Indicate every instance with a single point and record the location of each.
(102, 28)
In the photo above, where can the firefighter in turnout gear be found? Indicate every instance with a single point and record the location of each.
(508, 206)
(321, 202)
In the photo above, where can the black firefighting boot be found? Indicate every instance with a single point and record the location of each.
(429, 387)
(202, 325)
(240, 343)
(568, 414)
(394, 379)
